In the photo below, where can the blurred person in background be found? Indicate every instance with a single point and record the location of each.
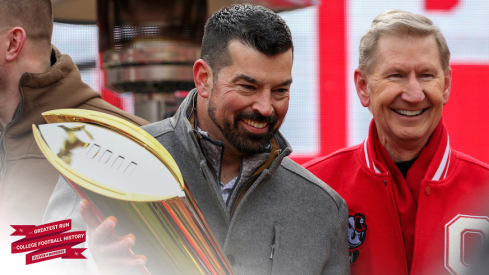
(34, 77)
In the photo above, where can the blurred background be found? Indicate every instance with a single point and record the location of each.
(139, 54)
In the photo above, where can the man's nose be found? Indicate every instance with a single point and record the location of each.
(413, 93)
(263, 103)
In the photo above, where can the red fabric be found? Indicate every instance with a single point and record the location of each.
(402, 194)
(389, 207)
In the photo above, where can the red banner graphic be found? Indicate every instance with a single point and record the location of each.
(31, 231)
(64, 252)
(27, 244)
(49, 241)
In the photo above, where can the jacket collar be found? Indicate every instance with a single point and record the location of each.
(437, 154)
(182, 120)
(59, 87)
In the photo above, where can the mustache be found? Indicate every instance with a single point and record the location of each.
(256, 116)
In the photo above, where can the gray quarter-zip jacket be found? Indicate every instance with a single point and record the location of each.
(282, 220)
(286, 222)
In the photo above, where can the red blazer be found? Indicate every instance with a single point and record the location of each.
(387, 233)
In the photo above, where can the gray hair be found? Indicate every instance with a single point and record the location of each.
(399, 23)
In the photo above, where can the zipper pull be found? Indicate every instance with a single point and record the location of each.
(273, 250)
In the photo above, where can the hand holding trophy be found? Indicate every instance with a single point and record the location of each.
(121, 171)
(110, 254)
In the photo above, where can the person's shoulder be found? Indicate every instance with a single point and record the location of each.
(311, 180)
(159, 128)
(335, 157)
(100, 105)
(471, 162)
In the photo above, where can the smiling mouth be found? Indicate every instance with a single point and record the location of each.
(256, 124)
(409, 113)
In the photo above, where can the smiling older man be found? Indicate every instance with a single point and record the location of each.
(415, 205)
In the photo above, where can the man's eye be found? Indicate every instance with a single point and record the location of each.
(248, 87)
(426, 75)
(395, 76)
(282, 91)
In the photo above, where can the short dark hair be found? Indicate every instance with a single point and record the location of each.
(34, 16)
(252, 25)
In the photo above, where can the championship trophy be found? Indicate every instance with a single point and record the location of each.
(124, 172)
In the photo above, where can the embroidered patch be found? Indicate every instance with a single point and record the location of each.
(357, 232)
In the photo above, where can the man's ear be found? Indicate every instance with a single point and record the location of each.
(361, 86)
(16, 39)
(448, 86)
(202, 77)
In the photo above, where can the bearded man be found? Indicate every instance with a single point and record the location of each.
(270, 215)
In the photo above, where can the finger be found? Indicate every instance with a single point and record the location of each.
(117, 252)
(130, 260)
(87, 215)
(117, 247)
(101, 234)
(112, 265)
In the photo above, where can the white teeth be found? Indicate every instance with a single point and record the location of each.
(408, 113)
(255, 124)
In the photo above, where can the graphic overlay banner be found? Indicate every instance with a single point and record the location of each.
(49, 241)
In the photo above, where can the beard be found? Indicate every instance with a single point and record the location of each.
(244, 141)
